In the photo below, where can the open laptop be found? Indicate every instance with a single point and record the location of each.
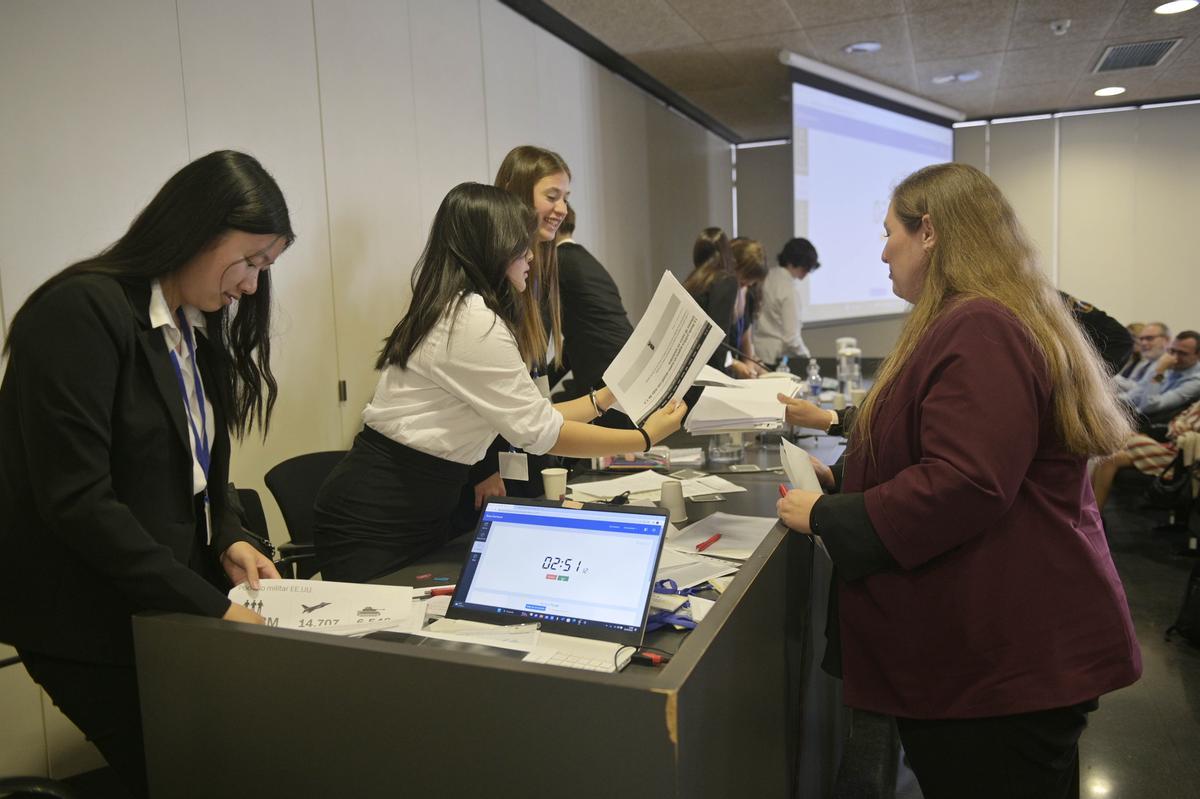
(584, 572)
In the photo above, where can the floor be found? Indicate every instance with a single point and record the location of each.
(1144, 741)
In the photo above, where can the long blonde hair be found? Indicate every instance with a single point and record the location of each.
(520, 171)
(982, 251)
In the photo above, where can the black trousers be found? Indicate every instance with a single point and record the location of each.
(382, 507)
(102, 700)
(1024, 756)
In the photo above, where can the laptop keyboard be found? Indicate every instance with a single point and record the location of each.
(556, 658)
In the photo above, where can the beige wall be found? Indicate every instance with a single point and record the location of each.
(367, 112)
(1111, 200)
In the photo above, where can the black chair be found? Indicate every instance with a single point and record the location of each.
(294, 483)
(32, 786)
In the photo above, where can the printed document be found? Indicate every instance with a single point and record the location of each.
(660, 361)
(740, 535)
(329, 607)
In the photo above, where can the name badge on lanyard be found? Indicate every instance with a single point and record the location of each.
(199, 434)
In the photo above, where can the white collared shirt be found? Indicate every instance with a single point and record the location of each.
(464, 383)
(777, 328)
(161, 318)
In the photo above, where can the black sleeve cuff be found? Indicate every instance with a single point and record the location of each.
(846, 530)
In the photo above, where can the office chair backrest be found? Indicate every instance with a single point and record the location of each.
(294, 483)
(253, 516)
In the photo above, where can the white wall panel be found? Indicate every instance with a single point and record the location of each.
(92, 125)
(510, 75)
(449, 100)
(371, 163)
(1022, 164)
(22, 737)
(250, 78)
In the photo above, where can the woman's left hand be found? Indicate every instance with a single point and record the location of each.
(795, 509)
(243, 562)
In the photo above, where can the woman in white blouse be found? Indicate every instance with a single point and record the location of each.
(455, 373)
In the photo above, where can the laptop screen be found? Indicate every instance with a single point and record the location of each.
(586, 572)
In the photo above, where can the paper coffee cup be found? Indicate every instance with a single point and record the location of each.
(672, 500)
(554, 480)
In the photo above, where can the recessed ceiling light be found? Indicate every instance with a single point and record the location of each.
(1177, 6)
(941, 79)
(862, 47)
(1109, 91)
(968, 76)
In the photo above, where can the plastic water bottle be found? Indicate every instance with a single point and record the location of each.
(783, 366)
(814, 379)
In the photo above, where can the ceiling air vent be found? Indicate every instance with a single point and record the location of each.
(1139, 54)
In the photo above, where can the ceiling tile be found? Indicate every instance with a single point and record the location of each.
(812, 13)
(1090, 21)
(630, 26)
(1138, 22)
(717, 20)
(754, 112)
(1017, 100)
(890, 32)
(1048, 64)
(929, 5)
(972, 98)
(698, 66)
(757, 57)
(963, 29)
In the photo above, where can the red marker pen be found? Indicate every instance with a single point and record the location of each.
(782, 491)
(703, 545)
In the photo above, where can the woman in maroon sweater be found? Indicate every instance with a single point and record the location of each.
(976, 600)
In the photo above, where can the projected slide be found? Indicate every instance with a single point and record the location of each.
(847, 158)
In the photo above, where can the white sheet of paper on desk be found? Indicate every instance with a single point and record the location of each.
(520, 637)
(323, 606)
(648, 485)
(689, 569)
(740, 535)
(672, 341)
(700, 607)
(798, 467)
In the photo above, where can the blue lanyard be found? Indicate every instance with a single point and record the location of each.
(199, 436)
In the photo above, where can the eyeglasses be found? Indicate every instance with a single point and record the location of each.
(1150, 338)
(1178, 352)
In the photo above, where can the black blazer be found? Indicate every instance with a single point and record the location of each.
(595, 325)
(97, 515)
(719, 301)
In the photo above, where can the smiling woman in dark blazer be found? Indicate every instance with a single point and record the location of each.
(116, 446)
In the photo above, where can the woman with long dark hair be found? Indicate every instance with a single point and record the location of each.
(721, 289)
(127, 373)
(454, 373)
(975, 599)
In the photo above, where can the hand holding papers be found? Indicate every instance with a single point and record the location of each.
(798, 467)
(749, 405)
(663, 356)
(329, 607)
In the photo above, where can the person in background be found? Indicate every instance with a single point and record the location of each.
(127, 373)
(974, 597)
(1150, 344)
(454, 372)
(715, 286)
(1172, 384)
(1144, 453)
(595, 325)
(777, 329)
(1108, 336)
(1135, 356)
(750, 266)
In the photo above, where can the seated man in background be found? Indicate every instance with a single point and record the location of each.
(777, 330)
(1151, 344)
(595, 325)
(1173, 382)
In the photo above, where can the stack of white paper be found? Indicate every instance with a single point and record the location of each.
(648, 485)
(753, 406)
(688, 569)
